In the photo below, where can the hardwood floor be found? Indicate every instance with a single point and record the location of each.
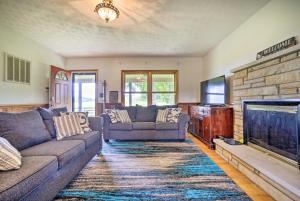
(252, 190)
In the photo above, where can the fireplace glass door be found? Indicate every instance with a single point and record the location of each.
(274, 127)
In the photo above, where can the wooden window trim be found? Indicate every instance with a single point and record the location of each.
(149, 83)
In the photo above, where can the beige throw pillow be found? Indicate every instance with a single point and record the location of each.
(66, 126)
(161, 115)
(10, 157)
(82, 118)
(124, 116)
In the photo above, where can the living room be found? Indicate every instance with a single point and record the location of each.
(138, 82)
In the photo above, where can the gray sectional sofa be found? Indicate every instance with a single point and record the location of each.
(48, 165)
(143, 126)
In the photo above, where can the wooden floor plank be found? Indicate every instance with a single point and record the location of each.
(251, 189)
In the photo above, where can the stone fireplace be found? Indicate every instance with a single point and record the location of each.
(274, 126)
(266, 98)
(275, 78)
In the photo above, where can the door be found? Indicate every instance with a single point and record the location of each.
(84, 92)
(60, 88)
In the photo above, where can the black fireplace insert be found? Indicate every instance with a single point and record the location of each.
(273, 125)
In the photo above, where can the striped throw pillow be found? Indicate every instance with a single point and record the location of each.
(161, 115)
(82, 118)
(124, 116)
(113, 115)
(66, 126)
(10, 157)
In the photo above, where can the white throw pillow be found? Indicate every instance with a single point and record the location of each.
(173, 114)
(82, 118)
(10, 157)
(162, 115)
(124, 116)
(66, 126)
(113, 115)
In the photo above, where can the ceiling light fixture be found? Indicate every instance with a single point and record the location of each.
(107, 11)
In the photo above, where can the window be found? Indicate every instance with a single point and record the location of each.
(149, 87)
(60, 75)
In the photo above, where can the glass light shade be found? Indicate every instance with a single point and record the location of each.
(107, 14)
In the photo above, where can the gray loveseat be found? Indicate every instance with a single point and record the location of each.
(48, 165)
(144, 126)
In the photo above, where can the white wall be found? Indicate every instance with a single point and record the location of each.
(190, 71)
(275, 22)
(40, 57)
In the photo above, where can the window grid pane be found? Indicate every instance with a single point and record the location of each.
(132, 99)
(136, 83)
(163, 98)
(163, 83)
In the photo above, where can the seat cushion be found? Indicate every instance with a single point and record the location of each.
(121, 126)
(65, 151)
(24, 129)
(146, 114)
(88, 138)
(166, 126)
(34, 171)
(143, 125)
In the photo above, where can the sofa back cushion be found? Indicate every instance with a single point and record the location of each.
(57, 111)
(47, 116)
(146, 114)
(24, 129)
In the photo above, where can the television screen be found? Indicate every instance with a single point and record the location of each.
(213, 91)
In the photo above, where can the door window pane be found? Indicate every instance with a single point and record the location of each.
(136, 83)
(163, 99)
(132, 99)
(163, 82)
(84, 93)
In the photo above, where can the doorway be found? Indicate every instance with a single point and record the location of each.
(84, 92)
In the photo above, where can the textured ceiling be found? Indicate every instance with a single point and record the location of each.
(145, 27)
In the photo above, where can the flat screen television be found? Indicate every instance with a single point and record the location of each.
(213, 91)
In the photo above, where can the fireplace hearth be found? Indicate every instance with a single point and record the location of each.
(273, 125)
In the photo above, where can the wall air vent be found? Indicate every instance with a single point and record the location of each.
(16, 69)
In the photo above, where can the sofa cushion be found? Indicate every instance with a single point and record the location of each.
(146, 114)
(166, 126)
(56, 111)
(47, 116)
(131, 111)
(65, 151)
(143, 125)
(24, 129)
(34, 171)
(88, 138)
(120, 126)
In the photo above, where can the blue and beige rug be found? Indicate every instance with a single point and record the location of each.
(131, 171)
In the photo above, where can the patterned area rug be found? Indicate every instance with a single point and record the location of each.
(131, 171)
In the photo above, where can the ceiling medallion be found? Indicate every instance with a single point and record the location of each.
(107, 11)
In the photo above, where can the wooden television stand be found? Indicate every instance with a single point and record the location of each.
(209, 122)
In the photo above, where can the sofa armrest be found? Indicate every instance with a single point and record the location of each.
(105, 123)
(183, 120)
(95, 123)
(105, 119)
